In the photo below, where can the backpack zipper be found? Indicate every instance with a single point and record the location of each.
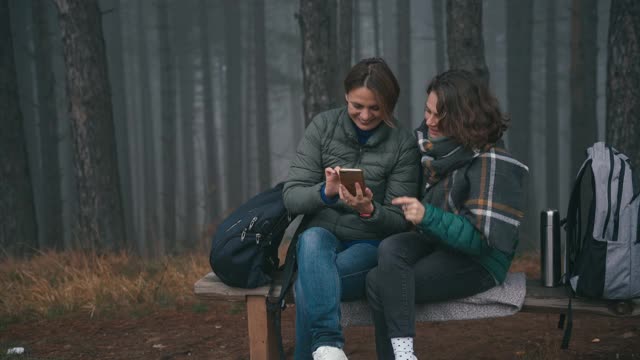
(230, 227)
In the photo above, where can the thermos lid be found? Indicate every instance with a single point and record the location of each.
(549, 217)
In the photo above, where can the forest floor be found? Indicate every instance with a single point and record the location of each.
(188, 329)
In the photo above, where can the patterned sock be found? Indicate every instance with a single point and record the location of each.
(403, 348)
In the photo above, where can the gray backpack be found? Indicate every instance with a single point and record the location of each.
(603, 235)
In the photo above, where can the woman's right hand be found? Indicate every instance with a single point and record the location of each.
(332, 181)
(411, 207)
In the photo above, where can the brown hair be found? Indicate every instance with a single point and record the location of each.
(467, 110)
(375, 75)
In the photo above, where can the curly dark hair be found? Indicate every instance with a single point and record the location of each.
(374, 74)
(467, 110)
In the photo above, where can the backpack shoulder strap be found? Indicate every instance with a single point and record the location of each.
(573, 220)
(288, 272)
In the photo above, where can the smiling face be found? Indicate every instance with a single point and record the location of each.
(431, 116)
(363, 108)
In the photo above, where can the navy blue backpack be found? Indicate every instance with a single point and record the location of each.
(244, 249)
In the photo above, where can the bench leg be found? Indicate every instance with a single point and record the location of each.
(263, 344)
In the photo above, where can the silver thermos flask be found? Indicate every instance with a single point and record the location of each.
(550, 248)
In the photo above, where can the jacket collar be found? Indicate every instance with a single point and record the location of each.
(378, 136)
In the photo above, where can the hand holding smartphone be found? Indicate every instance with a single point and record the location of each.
(349, 178)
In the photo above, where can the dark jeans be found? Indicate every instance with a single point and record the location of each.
(414, 269)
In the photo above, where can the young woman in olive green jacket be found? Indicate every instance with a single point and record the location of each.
(339, 245)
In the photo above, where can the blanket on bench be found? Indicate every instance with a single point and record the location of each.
(502, 300)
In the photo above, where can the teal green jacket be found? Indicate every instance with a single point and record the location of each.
(458, 233)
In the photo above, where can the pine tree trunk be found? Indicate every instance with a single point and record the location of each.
(184, 55)
(465, 45)
(115, 56)
(233, 115)
(623, 79)
(357, 35)
(376, 26)
(100, 220)
(403, 108)
(343, 32)
(212, 187)
(551, 107)
(18, 227)
(317, 70)
(438, 31)
(168, 137)
(51, 220)
(519, 67)
(261, 98)
(152, 237)
(584, 72)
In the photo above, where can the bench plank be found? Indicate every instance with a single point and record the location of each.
(555, 300)
(211, 288)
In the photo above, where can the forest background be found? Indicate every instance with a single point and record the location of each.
(129, 128)
(137, 125)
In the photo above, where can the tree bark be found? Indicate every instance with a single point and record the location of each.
(551, 107)
(584, 71)
(18, 226)
(623, 79)
(376, 26)
(403, 108)
(357, 35)
(233, 115)
(115, 57)
(317, 67)
(343, 32)
(261, 97)
(185, 67)
(465, 45)
(519, 69)
(519, 65)
(100, 222)
(212, 187)
(168, 137)
(150, 185)
(438, 31)
(51, 220)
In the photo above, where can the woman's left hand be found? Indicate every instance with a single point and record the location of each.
(411, 207)
(362, 202)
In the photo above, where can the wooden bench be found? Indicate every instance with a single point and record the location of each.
(263, 342)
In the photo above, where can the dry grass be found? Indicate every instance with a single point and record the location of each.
(57, 283)
(53, 284)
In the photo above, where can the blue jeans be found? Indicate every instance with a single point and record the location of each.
(328, 271)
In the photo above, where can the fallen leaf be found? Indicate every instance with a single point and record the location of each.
(520, 353)
(158, 346)
(218, 326)
(595, 340)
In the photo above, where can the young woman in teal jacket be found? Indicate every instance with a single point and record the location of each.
(466, 226)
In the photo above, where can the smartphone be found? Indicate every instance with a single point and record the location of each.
(349, 178)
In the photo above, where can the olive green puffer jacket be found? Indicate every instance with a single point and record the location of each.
(390, 161)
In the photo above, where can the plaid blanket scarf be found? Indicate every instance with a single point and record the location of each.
(485, 186)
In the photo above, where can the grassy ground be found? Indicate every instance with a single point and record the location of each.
(53, 284)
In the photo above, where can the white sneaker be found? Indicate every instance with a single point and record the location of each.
(329, 353)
